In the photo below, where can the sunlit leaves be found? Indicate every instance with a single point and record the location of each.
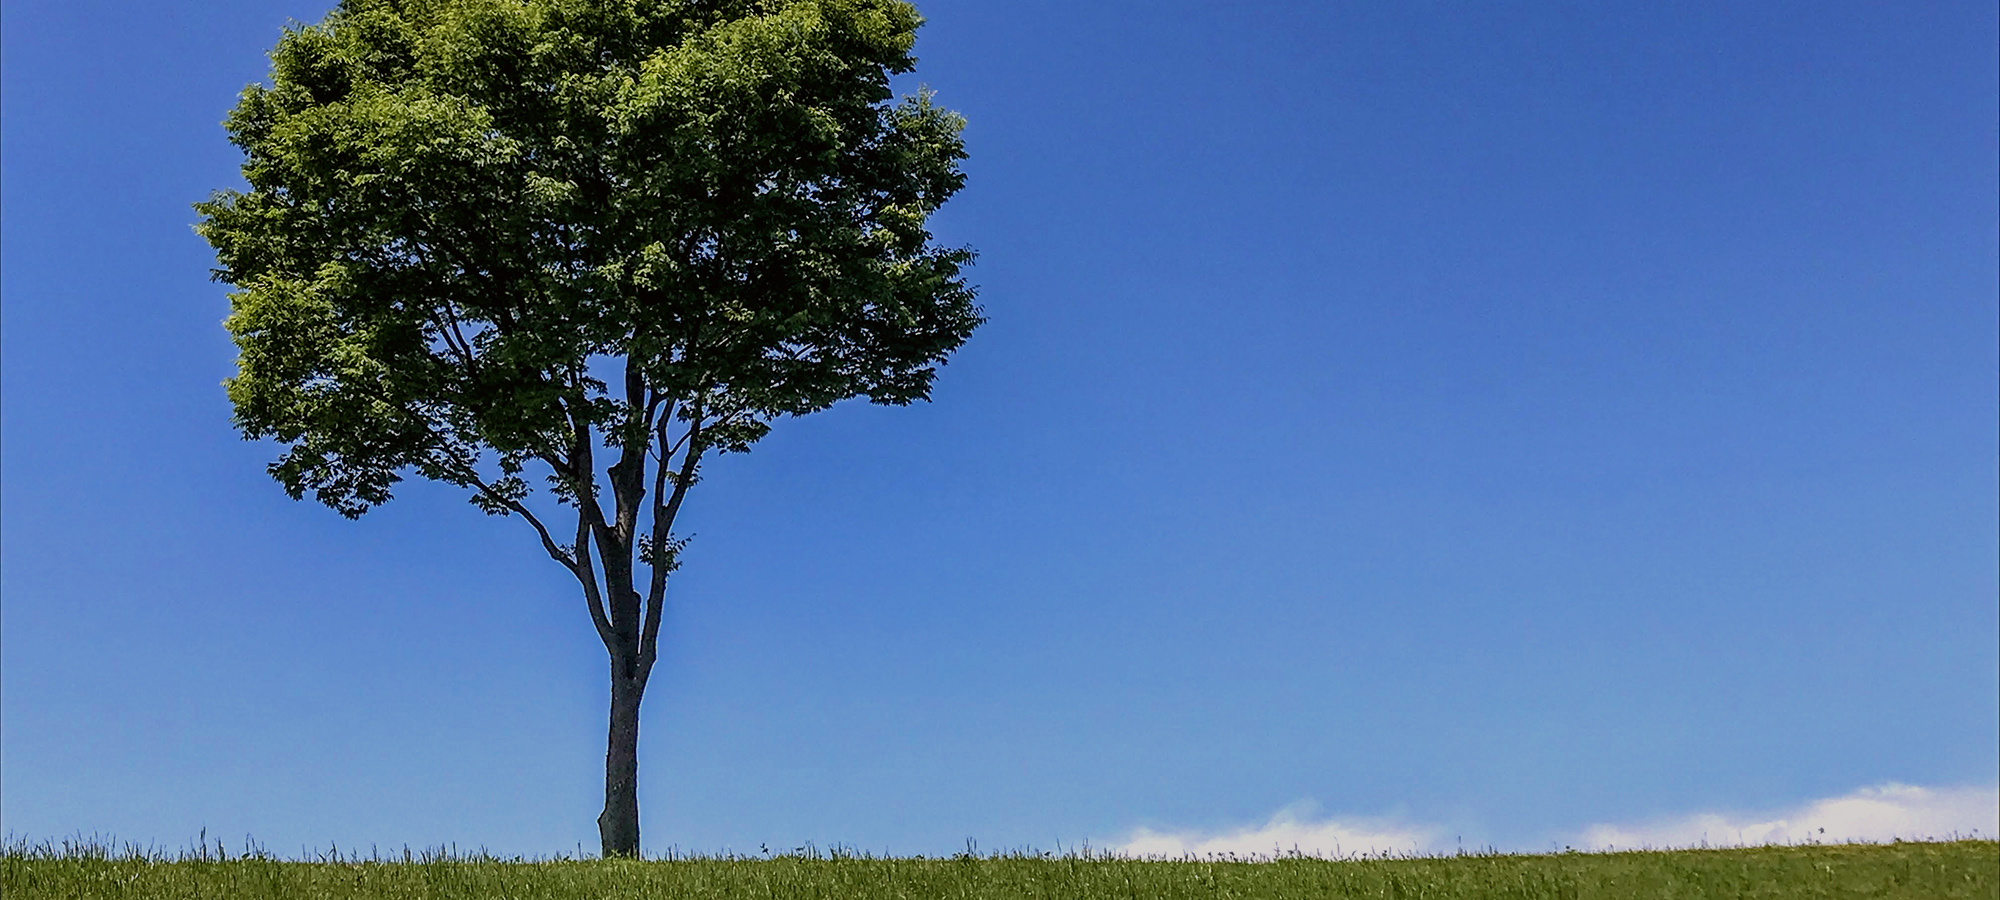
(460, 213)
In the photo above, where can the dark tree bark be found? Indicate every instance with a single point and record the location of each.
(618, 824)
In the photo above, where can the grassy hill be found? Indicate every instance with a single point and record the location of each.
(1958, 869)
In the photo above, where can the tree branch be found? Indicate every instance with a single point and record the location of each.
(664, 514)
(577, 467)
(449, 329)
(578, 566)
(591, 596)
(628, 475)
(577, 470)
(471, 476)
(619, 604)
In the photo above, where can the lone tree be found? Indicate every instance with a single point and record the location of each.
(488, 238)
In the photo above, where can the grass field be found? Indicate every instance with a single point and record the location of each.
(1958, 869)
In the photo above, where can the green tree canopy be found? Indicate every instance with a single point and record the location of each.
(488, 237)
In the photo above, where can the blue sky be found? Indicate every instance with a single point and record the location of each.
(1487, 421)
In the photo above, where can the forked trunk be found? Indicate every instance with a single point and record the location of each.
(618, 825)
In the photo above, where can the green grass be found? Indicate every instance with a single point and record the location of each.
(1957, 869)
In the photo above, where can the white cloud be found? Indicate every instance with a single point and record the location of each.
(1882, 813)
(1873, 814)
(1286, 833)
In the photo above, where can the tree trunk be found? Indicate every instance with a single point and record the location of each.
(618, 825)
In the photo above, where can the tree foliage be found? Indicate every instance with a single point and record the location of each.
(460, 211)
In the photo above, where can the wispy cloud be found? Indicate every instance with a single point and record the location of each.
(1881, 813)
(1288, 832)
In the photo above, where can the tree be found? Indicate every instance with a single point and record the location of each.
(484, 239)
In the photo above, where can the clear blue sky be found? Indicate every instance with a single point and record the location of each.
(1506, 416)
